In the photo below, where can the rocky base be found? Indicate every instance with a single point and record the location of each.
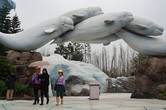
(75, 86)
(121, 85)
(21, 60)
(150, 79)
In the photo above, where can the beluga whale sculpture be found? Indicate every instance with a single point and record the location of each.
(143, 26)
(82, 14)
(37, 36)
(90, 25)
(145, 45)
(96, 27)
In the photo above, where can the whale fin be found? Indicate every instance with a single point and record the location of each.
(79, 15)
(141, 26)
(57, 41)
(50, 30)
(53, 42)
(110, 21)
(68, 27)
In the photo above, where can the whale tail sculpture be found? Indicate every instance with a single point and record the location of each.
(38, 35)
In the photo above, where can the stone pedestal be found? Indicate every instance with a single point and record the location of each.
(21, 60)
(150, 79)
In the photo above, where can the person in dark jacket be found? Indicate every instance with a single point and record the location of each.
(44, 78)
(10, 84)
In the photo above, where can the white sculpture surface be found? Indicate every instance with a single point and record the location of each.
(146, 45)
(90, 25)
(144, 27)
(37, 36)
(80, 15)
(97, 27)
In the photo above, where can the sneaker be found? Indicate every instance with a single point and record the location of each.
(57, 104)
(41, 104)
(34, 103)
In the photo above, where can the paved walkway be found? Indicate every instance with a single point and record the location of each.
(107, 102)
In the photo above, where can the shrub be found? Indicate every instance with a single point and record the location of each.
(3, 88)
(138, 59)
(5, 68)
(20, 89)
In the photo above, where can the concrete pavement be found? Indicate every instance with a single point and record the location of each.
(115, 101)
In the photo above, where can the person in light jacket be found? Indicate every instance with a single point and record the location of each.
(37, 84)
(59, 87)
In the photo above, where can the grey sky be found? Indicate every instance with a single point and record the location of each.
(32, 12)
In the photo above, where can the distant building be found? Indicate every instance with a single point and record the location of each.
(9, 3)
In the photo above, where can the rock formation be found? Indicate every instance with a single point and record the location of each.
(121, 85)
(150, 79)
(78, 75)
(74, 87)
(21, 60)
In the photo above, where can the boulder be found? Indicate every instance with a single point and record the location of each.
(121, 85)
(150, 79)
(76, 87)
(78, 75)
(21, 60)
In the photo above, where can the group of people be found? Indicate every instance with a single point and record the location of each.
(41, 83)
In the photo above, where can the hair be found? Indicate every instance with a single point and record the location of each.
(12, 71)
(45, 70)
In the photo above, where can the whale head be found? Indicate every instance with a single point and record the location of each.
(144, 27)
(158, 30)
(66, 23)
(93, 11)
(126, 17)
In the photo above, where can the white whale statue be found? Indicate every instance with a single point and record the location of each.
(90, 25)
(144, 27)
(143, 44)
(80, 15)
(37, 36)
(96, 27)
(103, 40)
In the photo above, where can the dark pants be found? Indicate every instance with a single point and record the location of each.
(60, 94)
(36, 91)
(44, 91)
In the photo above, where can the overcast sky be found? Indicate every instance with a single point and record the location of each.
(31, 12)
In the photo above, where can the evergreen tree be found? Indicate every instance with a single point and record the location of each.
(8, 26)
(78, 52)
(71, 51)
(16, 24)
(5, 68)
(62, 50)
(4, 11)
